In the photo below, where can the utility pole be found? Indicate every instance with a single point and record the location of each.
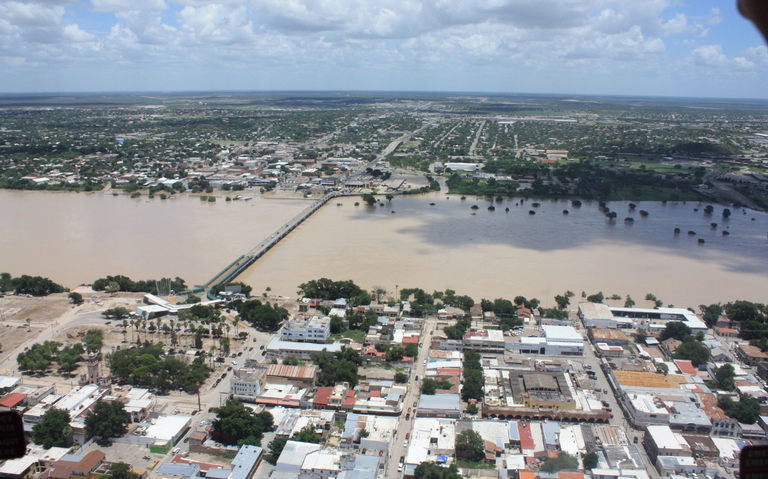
(197, 387)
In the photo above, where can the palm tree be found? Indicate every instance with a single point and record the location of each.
(213, 352)
(228, 329)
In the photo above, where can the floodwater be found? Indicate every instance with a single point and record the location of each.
(494, 254)
(75, 238)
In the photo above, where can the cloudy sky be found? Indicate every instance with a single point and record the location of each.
(699, 48)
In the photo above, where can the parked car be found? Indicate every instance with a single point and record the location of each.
(408, 417)
(364, 450)
(407, 435)
(409, 409)
(417, 378)
(381, 453)
(251, 348)
(262, 346)
(415, 403)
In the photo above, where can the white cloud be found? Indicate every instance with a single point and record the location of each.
(715, 16)
(440, 42)
(676, 26)
(128, 5)
(30, 14)
(710, 55)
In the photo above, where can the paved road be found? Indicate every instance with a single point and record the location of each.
(398, 447)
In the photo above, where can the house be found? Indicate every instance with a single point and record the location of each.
(486, 340)
(661, 441)
(669, 346)
(751, 355)
(726, 332)
(73, 467)
(313, 330)
(611, 337)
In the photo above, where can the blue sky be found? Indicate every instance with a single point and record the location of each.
(697, 48)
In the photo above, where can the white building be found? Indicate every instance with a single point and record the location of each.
(557, 341)
(293, 456)
(486, 340)
(277, 348)
(247, 384)
(465, 167)
(313, 330)
(660, 316)
(597, 315)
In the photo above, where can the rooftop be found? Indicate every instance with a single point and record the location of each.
(561, 333)
(595, 311)
(296, 372)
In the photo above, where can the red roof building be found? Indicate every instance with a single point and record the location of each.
(526, 439)
(322, 395)
(12, 400)
(686, 367)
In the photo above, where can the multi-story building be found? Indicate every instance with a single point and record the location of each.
(247, 384)
(313, 330)
(486, 340)
(661, 441)
(557, 341)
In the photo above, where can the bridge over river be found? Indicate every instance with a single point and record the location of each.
(232, 270)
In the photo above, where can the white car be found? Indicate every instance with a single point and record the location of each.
(234, 363)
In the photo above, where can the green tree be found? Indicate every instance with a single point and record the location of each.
(394, 354)
(676, 329)
(113, 287)
(50, 431)
(471, 408)
(725, 375)
(39, 356)
(68, 357)
(641, 335)
(121, 470)
(337, 324)
(470, 445)
(224, 344)
(94, 339)
(307, 434)
(428, 386)
(596, 298)
(629, 302)
(369, 198)
(589, 460)
(562, 301)
(389, 197)
(199, 339)
(662, 368)
(116, 313)
(401, 378)
(711, 314)
(411, 350)
(240, 425)
(276, 447)
(76, 298)
(562, 461)
(107, 419)
(430, 470)
(694, 351)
